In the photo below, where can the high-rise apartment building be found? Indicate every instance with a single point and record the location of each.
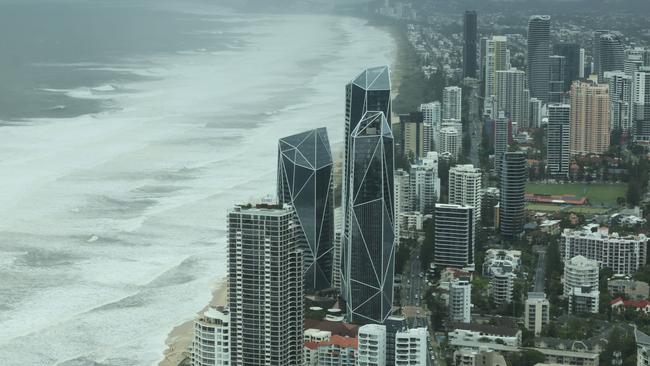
(502, 286)
(558, 141)
(305, 182)
(452, 103)
(502, 136)
(211, 342)
(424, 184)
(539, 33)
(402, 192)
(394, 325)
(265, 286)
(511, 99)
(455, 236)
(535, 113)
(556, 84)
(460, 301)
(581, 285)
(413, 135)
(536, 312)
(612, 54)
(495, 59)
(513, 186)
(412, 347)
(369, 250)
(465, 189)
(641, 104)
(450, 143)
(620, 100)
(432, 119)
(589, 118)
(372, 345)
(470, 37)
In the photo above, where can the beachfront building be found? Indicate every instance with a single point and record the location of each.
(305, 182)
(265, 286)
(369, 246)
(372, 345)
(211, 342)
(536, 312)
(622, 254)
(581, 285)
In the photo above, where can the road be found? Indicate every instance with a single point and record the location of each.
(540, 271)
(413, 290)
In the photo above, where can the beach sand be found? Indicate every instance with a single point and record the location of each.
(180, 338)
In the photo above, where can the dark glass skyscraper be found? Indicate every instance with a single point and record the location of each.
(539, 34)
(368, 248)
(612, 54)
(513, 187)
(595, 50)
(556, 78)
(305, 182)
(369, 91)
(470, 32)
(571, 53)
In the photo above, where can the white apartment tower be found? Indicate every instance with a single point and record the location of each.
(411, 347)
(620, 100)
(452, 103)
(424, 184)
(431, 118)
(460, 301)
(372, 345)
(581, 285)
(496, 58)
(465, 188)
(511, 99)
(536, 312)
(211, 344)
(450, 142)
(265, 289)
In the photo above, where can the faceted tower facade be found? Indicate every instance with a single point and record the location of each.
(369, 250)
(305, 182)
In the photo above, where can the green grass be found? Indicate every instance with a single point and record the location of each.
(599, 195)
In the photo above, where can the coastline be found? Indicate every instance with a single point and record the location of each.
(180, 338)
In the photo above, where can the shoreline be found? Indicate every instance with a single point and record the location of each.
(180, 338)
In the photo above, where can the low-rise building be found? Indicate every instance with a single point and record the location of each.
(639, 305)
(569, 352)
(505, 337)
(642, 348)
(634, 290)
(502, 285)
(211, 342)
(469, 357)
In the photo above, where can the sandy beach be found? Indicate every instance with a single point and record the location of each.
(180, 338)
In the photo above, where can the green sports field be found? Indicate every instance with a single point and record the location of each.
(599, 195)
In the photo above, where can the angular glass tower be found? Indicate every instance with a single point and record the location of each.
(368, 250)
(305, 182)
(369, 91)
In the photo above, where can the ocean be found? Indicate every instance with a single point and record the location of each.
(127, 130)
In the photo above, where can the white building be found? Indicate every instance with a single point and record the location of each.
(211, 344)
(372, 345)
(502, 134)
(511, 99)
(431, 118)
(502, 285)
(510, 260)
(411, 347)
(450, 142)
(425, 184)
(536, 312)
(535, 113)
(581, 284)
(465, 188)
(620, 100)
(496, 58)
(623, 254)
(460, 301)
(484, 336)
(452, 105)
(402, 192)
